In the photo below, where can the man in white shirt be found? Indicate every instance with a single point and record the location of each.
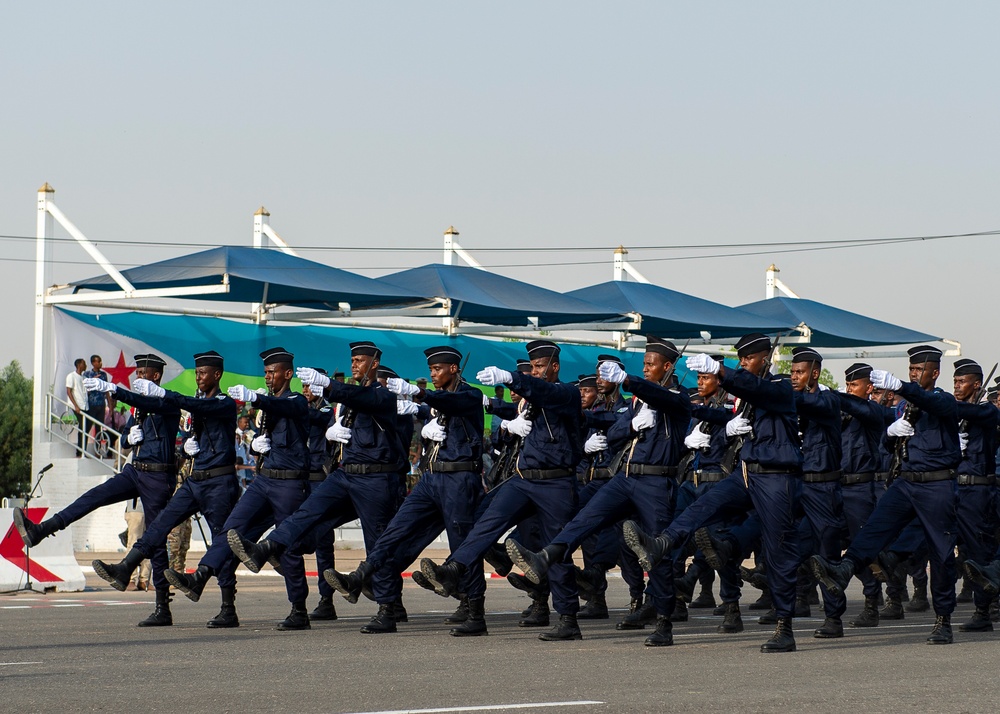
(77, 396)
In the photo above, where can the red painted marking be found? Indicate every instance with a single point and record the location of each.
(12, 550)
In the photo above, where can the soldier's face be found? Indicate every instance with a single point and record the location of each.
(153, 375)
(277, 377)
(605, 388)
(924, 373)
(654, 366)
(207, 378)
(443, 374)
(754, 363)
(362, 365)
(588, 395)
(708, 385)
(966, 385)
(803, 374)
(546, 368)
(859, 388)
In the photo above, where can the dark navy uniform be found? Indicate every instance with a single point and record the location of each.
(321, 416)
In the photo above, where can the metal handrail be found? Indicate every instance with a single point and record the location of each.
(85, 423)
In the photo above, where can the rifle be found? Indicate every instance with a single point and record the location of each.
(430, 455)
(262, 432)
(901, 453)
(746, 410)
(717, 401)
(348, 418)
(977, 398)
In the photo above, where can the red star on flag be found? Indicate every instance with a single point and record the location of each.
(120, 372)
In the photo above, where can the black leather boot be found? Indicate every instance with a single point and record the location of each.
(834, 576)
(119, 574)
(445, 579)
(831, 628)
(885, 566)
(348, 584)
(965, 594)
(649, 550)
(475, 625)
(384, 621)
(754, 577)
(590, 582)
(191, 585)
(768, 618)
(161, 616)
(298, 618)
(497, 557)
(783, 640)
(919, 602)
(399, 612)
(980, 621)
(941, 634)
(994, 610)
(764, 602)
(538, 615)
(663, 635)
(227, 615)
(893, 609)
(869, 615)
(567, 629)
(596, 609)
(253, 555)
(732, 621)
(680, 613)
(34, 533)
(325, 610)
(717, 551)
(802, 608)
(534, 565)
(640, 613)
(684, 586)
(705, 598)
(986, 576)
(460, 615)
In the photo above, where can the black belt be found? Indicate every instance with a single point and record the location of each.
(970, 480)
(544, 474)
(315, 476)
(700, 476)
(927, 476)
(754, 468)
(602, 474)
(824, 477)
(851, 479)
(212, 473)
(881, 476)
(153, 468)
(650, 470)
(450, 467)
(284, 474)
(364, 469)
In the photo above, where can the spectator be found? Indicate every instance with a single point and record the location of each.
(97, 402)
(77, 396)
(136, 520)
(246, 461)
(116, 418)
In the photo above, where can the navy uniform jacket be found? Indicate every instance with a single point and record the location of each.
(663, 444)
(464, 423)
(889, 415)
(979, 458)
(863, 426)
(820, 426)
(214, 420)
(775, 441)
(557, 409)
(598, 420)
(715, 418)
(374, 439)
(319, 421)
(287, 422)
(934, 446)
(159, 428)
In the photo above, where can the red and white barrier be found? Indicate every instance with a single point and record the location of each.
(51, 564)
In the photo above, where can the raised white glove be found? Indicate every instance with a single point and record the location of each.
(519, 426)
(135, 435)
(900, 427)
(703, 364)
(823, 388)
(596, 443)
(738, 425)
(93, 384)
(405, 408)
(261, 444)
(308, 375)
(433, 431)
(191, 447)
(338, 432)
(492, 376)
(611, 372)
(146, 388)
(645, 418)
(697, 439)
(401, 386)
(242, 393)
(885, 380)
(963, 440)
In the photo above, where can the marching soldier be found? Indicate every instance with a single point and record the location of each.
(321, 415)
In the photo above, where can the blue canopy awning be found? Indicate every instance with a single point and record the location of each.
(481, 296)
(668, 313)
(258, 275)
(833, 327)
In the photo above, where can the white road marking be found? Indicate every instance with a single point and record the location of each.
(16, 664)
(486, 708)
(16, 607)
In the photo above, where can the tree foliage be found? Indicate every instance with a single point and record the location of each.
(15, 430)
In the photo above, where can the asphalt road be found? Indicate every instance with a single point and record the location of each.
(82, 652)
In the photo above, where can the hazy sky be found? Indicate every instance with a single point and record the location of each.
(523, 124)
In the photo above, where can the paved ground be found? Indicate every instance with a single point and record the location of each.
(82, 652)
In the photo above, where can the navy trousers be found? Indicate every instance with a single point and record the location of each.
(977, 523)
(600, 549)
(823, 506)
(859, 502)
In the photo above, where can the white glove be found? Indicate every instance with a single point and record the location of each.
(738, 425)
(697, 439)
(146, 388)
(486, 402)
(703, 364)
(242, 394)
(308, 375)
(885, 380)
(823, 388)
(338, 432)
(645, 418)
(433, 431)
(191, 447)
(963, 440)
(900, 427)
(93, 384)
(135, 435)
(261, 444)
(611, 372)
(596, 443)
(404, 408)
(519, 426)
(401, 386)
(494, 375)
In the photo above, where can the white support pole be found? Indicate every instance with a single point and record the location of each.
(773, 284)
(449, 245)
(620, 253)
(260, 219)
(43, 359)
(92, 249)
